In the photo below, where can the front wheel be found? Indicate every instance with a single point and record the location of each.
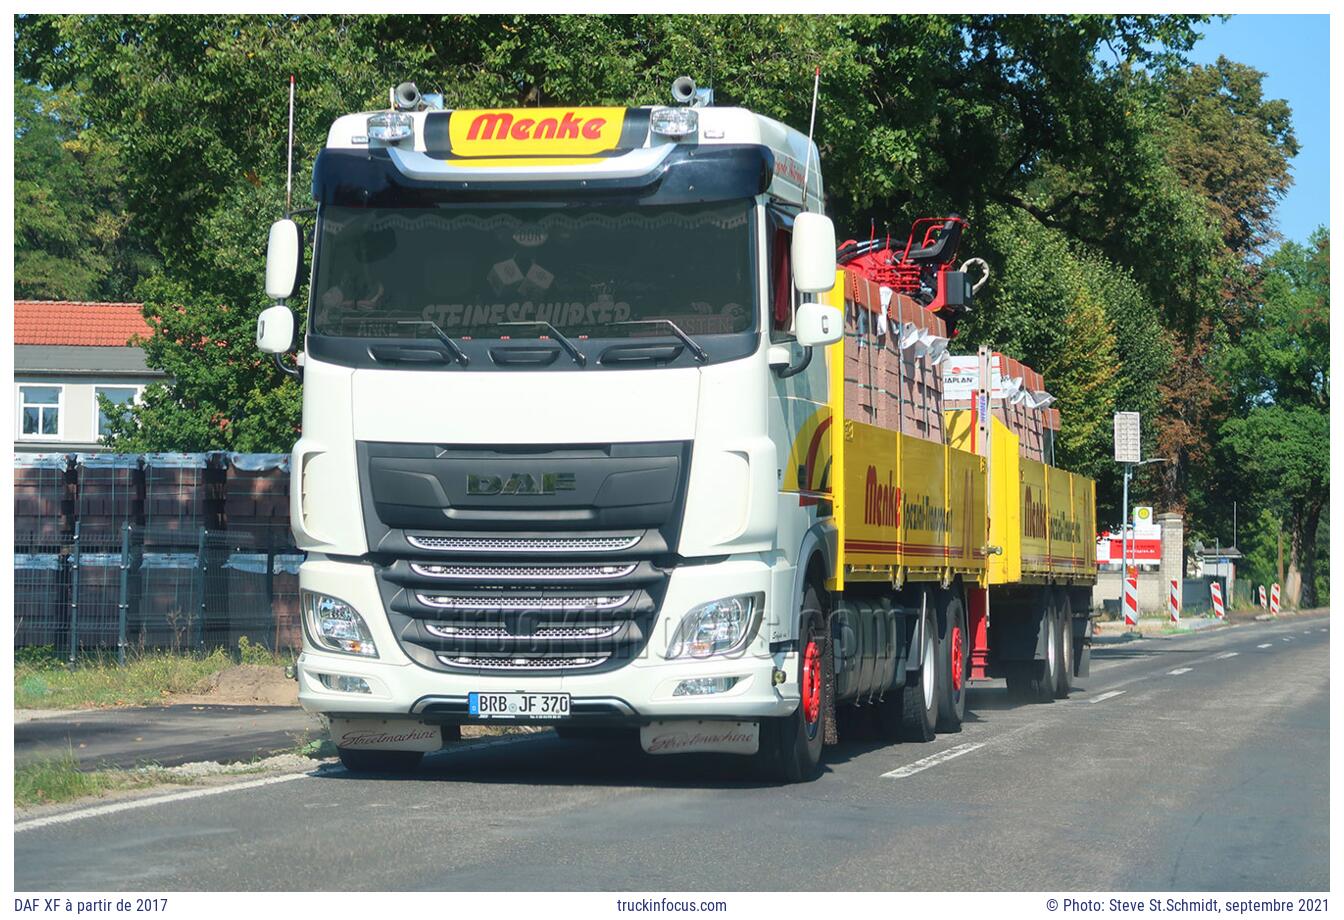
(790, 747)
(358, 761)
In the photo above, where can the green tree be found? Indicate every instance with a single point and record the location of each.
(72, 239)
(1278, 376)
(1232, 145)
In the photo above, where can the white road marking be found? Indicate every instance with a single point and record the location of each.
(113, 808)
(1265, 645)
(1287, 638)
(1109, 695)
(1306, 632)
(1225, 655)
(1322, 630)
(932, 760)
(1181, 671)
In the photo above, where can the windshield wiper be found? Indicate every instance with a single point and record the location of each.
(458, 354)
(579, 357)
(700, 354)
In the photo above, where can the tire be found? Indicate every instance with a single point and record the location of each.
(790, 746)
(919, 699)
(357, 761)
(954, 664)
(1064, 668)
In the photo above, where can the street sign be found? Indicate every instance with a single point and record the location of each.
(1126, 437)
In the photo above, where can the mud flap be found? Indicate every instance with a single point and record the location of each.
(1082, 643)
(385, 735)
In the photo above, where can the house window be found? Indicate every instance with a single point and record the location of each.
(40, 411)
(119, 396)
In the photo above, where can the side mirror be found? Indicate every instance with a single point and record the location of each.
(813, 253)
(282, 259)
(818, 324)
(275, 330)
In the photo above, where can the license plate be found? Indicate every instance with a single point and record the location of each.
(518, 705)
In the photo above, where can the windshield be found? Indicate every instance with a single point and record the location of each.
(585, 270)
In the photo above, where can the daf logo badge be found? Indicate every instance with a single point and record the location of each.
(519, 484)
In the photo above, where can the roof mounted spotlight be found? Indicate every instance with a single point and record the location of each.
(406, 97)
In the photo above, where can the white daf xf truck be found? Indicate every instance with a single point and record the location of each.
(566, 448)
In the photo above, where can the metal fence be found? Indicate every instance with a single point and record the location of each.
(101, 591)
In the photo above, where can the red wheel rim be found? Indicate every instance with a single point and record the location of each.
(958, 662)
(811, 688)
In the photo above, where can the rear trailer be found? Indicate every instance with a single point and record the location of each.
(961, 555)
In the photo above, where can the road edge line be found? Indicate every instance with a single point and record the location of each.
(66, 817)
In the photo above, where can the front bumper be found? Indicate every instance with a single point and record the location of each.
(635, 694)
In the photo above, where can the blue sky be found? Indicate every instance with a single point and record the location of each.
(1294, 53)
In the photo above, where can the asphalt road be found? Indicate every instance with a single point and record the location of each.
(165, 735)
(1197, 763)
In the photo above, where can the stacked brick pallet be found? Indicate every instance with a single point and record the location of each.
(256, 498)
(110, 493)
(892, 350)
(1015, 392)
(43, 500)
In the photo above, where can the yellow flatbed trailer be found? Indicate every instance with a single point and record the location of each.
(958, 547)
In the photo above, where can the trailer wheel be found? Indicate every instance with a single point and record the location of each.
(1064, 624)
(790, 746)
(954, 665)
(359, 761)
(919, 717)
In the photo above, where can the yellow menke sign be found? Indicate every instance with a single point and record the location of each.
(535, 132)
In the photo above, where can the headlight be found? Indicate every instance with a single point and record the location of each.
(390, 126)
(334, 625)
(717, 628)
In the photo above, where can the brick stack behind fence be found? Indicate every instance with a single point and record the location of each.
(161, 551)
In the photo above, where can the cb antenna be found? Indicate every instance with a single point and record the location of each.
(811, 124)
(289, 165)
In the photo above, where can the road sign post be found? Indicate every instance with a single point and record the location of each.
(1128, 452)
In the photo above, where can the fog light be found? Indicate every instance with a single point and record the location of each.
(700, 686)
(344, 684)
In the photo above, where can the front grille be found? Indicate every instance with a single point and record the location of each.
(531, 663)
(518, 573)
(521, 602)
(542, 632)
(523, 544)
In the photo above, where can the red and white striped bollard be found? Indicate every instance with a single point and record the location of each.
(1174, 602)
(1274, 600)
(1131, 599)
(1216, 590)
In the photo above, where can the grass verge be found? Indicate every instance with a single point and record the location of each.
(59, 779)
(96, 681)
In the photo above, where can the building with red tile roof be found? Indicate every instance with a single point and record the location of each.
(66, 355)
(76, 322)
